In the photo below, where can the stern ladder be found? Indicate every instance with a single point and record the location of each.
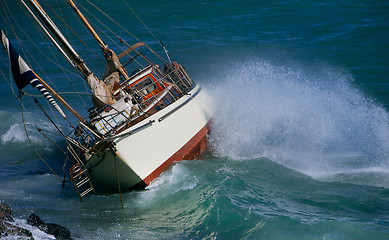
(81, 181)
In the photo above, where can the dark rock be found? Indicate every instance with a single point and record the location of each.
(56, 230)
(5, 213)
(9, 230)
(35, 221)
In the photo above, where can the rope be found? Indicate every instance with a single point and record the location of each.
(82, 42)
(67, 28)
(29, 140)
(98, 56)
(140, 20)
(25, 128)
(40, 130)
(26, 52)
(109, 29)
(124, 29)
(117, 178)
(113, 20)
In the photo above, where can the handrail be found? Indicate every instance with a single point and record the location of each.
(179, 106)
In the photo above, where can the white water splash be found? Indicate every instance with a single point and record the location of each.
(12, 131)
(310, 119)
(36, 232)
(15, 133)
(170, 182)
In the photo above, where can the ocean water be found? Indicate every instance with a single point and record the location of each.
(299, 147)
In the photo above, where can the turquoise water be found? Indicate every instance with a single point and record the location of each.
(300, 142)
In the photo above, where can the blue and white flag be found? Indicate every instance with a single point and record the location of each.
(23, 75)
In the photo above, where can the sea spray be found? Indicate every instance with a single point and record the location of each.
(307, 117)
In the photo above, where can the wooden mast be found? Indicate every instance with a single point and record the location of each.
(110, 55)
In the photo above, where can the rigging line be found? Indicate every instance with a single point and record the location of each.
(136, 15)
(29, 140)
(60, 93)
(74, 33)
(160, 42)
(27, 51)
(109, 29)
(40, 130)
(113, 20)
(48, 117)
(47, 34)
(8, 82)
(8, 22)
(39, 30)
(105, 26)
(16, 95)
(124, 29)
(55, 63)
(30, 55)
(64, 172)
(59, 130)
(120, 27)
(63, 18)
(95, 25)
(23, 48)
(90, 50)
(63, 69)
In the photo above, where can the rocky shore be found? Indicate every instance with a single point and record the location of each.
(8, 229)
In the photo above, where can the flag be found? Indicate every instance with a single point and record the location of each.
(23, 75)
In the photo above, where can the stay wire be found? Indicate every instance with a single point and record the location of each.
(108, 29)
(59, 130)
(67, 70)
(54, 55)
(124, 29)
(29, 140)
(152, 34)
(19, 97)
(22, 47)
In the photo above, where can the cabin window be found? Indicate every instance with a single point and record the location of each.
(146, 86)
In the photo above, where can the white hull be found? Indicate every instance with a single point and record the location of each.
(172, 134)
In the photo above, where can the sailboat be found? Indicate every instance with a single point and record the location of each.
(140, 121)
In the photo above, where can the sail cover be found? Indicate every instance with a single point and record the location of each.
(23, 75)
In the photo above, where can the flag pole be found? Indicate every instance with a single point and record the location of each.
(59, 98)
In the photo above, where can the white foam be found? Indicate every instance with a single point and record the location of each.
(36, 232)
(308, 118)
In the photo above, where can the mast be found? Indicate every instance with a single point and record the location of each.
(110, 56)
(101, 94)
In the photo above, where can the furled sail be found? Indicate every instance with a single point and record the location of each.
(23, 75)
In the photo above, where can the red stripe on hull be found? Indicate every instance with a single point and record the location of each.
(189, 151)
